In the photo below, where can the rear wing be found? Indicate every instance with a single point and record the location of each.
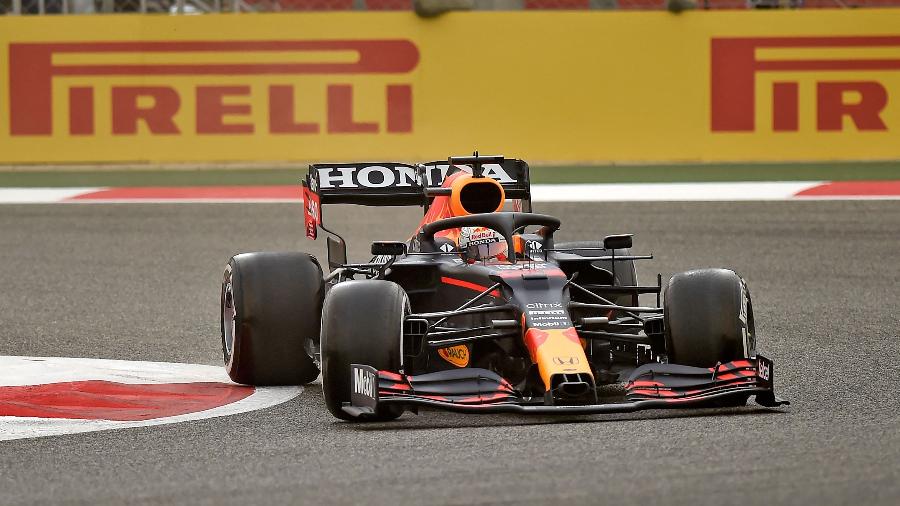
(401, 184)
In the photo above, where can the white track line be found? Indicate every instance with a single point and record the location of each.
(606, 192)
(175, 201)
(40, 195)
(674, 192)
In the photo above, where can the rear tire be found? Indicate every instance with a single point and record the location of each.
(708, 318)
(362, 323)
(271, 303)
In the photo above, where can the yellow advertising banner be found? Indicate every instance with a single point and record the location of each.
(544, 86)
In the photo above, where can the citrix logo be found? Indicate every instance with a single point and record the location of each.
(543, 305)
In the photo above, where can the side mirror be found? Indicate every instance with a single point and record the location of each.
(620, 241)
(337, 252)
(390, 248)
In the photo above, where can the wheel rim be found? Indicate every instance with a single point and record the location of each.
(229, 317)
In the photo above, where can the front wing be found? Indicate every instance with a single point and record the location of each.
(651, 386)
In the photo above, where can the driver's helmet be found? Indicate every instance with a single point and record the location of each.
(481, 243)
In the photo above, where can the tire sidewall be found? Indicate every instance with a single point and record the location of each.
(285, 298)
(232, 278)
(362, 322)
(748, 330)
(708, 318)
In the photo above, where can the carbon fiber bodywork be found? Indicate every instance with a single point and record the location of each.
(652, 386)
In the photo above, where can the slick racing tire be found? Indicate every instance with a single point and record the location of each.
(271, 303)
(362, 323)
(708, 318)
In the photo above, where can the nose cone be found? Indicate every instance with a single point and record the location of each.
(561, 361)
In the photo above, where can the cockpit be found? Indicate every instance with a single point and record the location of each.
(465, 194)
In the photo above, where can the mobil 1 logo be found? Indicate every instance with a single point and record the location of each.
(363, 386)
(547, 314)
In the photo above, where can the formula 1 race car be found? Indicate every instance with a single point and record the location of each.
(480, 311)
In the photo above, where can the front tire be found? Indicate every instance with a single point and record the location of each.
(708, 318)
(271, 303)
(362, 323)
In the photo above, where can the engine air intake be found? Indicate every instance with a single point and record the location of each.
(471, 195)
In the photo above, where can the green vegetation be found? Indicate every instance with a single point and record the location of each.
(826, 171)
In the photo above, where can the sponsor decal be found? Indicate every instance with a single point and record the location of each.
(311, 212)
(566, 360)
(220, 109)
(330, 87)
(396, 176)
(473, 236)
(364, 386)
(745, 339)
(765, 370)
(526, 266)
(446, 247)
(547, 314)
(492, 170)
(735, 63)
(456, 355)
(543, 305)
(522, 267)
(561, 323)
(372, 176)
(364, 382)
(383, 259)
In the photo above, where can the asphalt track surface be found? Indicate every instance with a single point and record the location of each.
(141, 282)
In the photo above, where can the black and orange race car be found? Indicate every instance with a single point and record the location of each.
(481, 311)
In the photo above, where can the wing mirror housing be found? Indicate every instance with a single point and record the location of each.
(337, 252)
(620, 241)
(390, 248)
